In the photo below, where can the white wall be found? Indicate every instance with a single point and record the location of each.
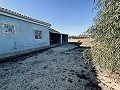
(23, 39)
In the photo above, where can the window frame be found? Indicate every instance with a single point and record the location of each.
(40, 36)
(11, 26)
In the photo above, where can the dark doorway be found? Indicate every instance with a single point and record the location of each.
(55, 38)
(64, 38)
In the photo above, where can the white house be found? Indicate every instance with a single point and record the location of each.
(20, 35)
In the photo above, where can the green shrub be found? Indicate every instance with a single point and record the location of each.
(106, 32)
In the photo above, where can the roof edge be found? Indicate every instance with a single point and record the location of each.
(13, 14)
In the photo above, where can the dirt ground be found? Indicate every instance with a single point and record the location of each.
(107, 80)
(60, 68)
(86, 42)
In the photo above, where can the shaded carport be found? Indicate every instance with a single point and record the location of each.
(64, 38)
(55, 37)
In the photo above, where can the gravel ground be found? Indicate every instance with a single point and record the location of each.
(60, 68)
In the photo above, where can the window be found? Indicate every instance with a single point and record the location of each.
(38, 34)
(8, 29)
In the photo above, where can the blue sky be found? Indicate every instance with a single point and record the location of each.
(67, 16)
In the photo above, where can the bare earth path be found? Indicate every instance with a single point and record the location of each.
(60, 68)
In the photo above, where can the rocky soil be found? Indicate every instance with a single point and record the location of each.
(60, 68)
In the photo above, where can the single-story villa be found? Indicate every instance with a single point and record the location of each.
(20, 34)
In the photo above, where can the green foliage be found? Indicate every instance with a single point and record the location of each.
(87, 54)
(106, 32)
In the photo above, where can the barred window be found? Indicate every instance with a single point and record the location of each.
(38, 34)
(8, 29)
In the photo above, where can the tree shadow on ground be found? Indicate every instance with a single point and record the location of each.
(92, 76)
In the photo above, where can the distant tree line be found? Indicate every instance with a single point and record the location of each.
(81, 36)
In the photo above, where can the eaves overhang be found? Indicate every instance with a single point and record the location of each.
(12, 14)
